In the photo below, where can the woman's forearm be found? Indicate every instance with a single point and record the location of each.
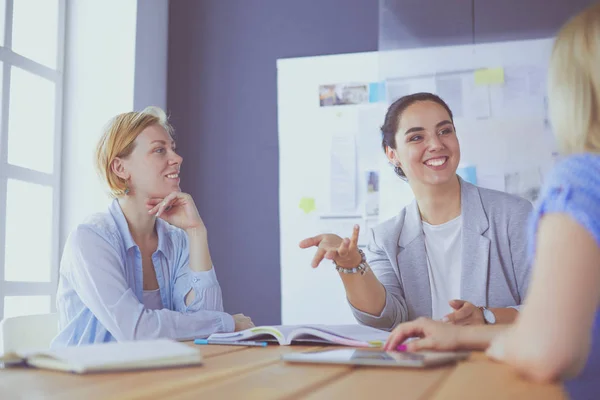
(364, 292)
(199, 253)
(505, 315)
(479, 337)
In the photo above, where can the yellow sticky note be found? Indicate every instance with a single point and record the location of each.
(307, 204)
(489, 76)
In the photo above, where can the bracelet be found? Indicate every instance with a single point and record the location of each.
(362, 268)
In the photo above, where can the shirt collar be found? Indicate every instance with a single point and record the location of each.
(162, 230)
(117, 214)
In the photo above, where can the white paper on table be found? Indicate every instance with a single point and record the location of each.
(343, 174)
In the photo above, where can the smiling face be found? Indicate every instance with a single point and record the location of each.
(152, 168)
(427, 148)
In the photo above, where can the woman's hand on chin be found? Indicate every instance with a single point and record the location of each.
(177, 209)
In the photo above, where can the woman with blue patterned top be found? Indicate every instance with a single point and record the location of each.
(557, 335)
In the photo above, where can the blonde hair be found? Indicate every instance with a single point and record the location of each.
(118, 141)
(574, 83)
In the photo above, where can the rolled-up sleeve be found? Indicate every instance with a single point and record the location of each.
(395, 310)
(97, 274)
(208, 294)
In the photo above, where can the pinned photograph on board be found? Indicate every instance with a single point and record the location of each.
(372, 201)
(343, 94)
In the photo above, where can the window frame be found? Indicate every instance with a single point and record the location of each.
(8, 58)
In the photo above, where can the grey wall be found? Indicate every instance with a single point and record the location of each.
(424, 23)
(223, 102)
(522, 19)
(222, 97)
(150, 84)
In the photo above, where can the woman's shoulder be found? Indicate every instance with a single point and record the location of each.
(496, 200)
(573, 188)
(576, 171)
(391, 224)
(389, 232)
(99, 225)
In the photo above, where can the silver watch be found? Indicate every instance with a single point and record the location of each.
(488, 316)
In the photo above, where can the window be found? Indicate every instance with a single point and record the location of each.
(31, 79)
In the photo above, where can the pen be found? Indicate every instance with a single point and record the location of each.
(401, 347)
(236, 343)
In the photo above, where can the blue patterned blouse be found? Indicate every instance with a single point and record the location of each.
(573, 188)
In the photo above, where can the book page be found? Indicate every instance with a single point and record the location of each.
(114, 354)
(256, 333)
(354, 332)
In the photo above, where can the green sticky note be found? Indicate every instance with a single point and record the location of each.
(489, 76)
(307, 204)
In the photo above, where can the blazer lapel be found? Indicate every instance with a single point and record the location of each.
(475, 246)
(412, 263)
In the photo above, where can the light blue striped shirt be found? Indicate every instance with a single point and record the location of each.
(100, 290)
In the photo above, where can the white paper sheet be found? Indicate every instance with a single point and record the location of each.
(369, 150)
(372, 193)
(491, 180)
(525, 183)
(479, 102)
(450, 89)
(343, 174)
(394, 193)
(522, 93)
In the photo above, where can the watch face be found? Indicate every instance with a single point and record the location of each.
(489, 316)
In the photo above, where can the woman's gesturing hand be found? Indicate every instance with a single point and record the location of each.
(332, 247)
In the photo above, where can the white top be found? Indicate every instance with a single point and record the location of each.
(152, 300)
(443, 245)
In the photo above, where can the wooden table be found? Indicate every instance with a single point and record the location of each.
(233, 372)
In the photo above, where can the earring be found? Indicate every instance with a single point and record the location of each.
(126, 191)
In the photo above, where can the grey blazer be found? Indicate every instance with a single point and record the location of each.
(495, 270)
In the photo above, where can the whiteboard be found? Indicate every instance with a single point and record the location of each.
(506, 139)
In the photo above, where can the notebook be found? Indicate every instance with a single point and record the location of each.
(113, 356)
(346, 335)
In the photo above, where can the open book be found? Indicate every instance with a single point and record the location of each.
(114, 356)
(347, 335)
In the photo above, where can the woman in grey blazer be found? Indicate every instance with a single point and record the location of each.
(457, 253)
